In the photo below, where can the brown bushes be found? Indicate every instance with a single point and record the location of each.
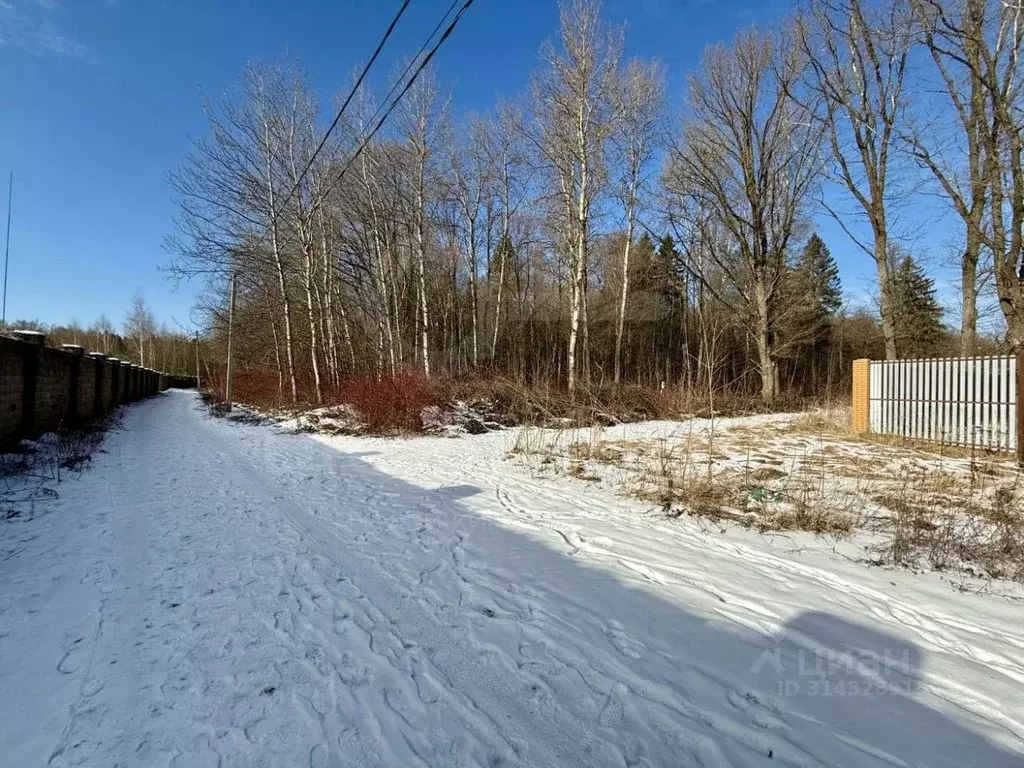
(387, 405)
(391, 404)
(394, 403)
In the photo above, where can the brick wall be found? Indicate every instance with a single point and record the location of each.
(101, 384)
(87, 387)
(43, 389)
(11, 366)
(122, 382)
(860, 412)
(52, 389)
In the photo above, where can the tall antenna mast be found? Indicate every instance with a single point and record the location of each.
(7, 248)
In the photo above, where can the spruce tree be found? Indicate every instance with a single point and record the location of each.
(917, 315)
(808, 299)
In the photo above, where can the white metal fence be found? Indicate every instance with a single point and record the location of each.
(964, 401)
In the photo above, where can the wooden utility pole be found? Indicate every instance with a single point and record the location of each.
(231, 322)
(199, 387)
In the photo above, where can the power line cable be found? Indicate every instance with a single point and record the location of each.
(412, 62)
(423, 63)
(344, 106)
(426, 60)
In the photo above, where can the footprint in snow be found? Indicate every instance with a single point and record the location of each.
(614, 711)
(623, 643)
(760, 713)
(72, 659)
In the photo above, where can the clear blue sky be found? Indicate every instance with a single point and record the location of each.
(98, 99)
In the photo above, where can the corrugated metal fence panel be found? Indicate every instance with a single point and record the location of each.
(964, 401)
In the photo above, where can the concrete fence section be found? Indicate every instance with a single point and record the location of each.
(969, 401)
(43, 389)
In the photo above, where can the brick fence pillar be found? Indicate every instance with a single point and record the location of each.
(74, 382)
(115, 386)
(29, 378)
(860, 416)
(126, 374)
(101, 360)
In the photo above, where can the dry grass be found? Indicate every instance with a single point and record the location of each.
(536, 441)
(823, 421)
(578, 469)
(764, 474)
(972, 523)
(548, 403)
(595, 448)
(809, 517)
(29, 475)
(940, 450)
(932, 506)
(679, 492)
(874, 468)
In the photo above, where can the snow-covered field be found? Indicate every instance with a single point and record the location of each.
(919, 505)
(218, 594)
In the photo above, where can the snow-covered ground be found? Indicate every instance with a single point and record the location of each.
(218, 594)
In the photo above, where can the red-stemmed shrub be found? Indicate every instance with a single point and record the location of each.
(388, 404)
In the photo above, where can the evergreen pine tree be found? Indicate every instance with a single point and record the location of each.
(807, 301)
(917, 313)
(668, 253)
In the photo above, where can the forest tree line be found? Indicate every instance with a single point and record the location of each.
(139, 339)
(581, 234)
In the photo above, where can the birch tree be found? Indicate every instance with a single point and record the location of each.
(140, 327)
(635, 141)
(509, 179)
(297, 125)
(230, 190)
(424, 127)
(574, 107)
(470, 183)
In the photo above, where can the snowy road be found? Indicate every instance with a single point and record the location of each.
(211, 594)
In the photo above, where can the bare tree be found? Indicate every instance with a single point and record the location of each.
(298, 140)
(635, 141)
(517, 244)
(424, 127)
(140, 326)
(574, 103)
(749, 158)
(960, 164)
(857, 53)
(470, 182)
(508, 161)
(104, 329)
(230, 192)
(976, 46)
